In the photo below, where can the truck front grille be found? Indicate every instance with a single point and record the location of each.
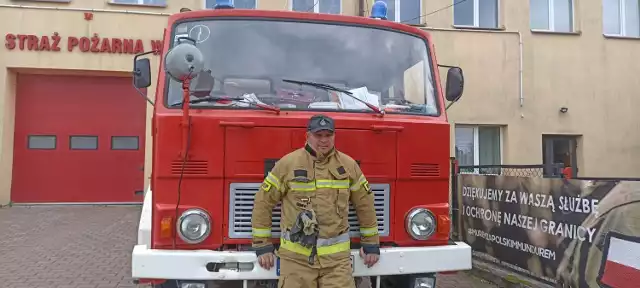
(241, 206)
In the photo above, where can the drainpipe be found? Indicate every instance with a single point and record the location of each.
(361, 6)
(83, 10)
(520, 52)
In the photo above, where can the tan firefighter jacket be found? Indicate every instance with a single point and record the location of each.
(328, 183)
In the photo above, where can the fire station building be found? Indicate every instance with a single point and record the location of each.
(546, 81)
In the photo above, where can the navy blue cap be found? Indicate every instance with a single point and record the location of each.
(319, 123)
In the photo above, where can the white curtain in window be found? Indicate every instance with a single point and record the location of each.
(488, 11)
(465, 145)
(563, 15)
(611, 17)
(632, 18)
(489, 145)
(539, 13)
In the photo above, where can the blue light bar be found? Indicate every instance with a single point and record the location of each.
(224, 4)
(379, 10)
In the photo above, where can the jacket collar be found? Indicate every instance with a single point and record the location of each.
(317, 156)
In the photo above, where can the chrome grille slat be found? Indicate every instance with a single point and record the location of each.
(241, 206)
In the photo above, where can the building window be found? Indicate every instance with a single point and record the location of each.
(240, 4)
(124, 143)
(476, 13)
(83, 142)
(141, 2)
(40, 142)
(405, 11)
(621, 17)
(317, 6)
(478, 145)
(551, 15)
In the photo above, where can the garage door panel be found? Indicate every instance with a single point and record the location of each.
(78, 139)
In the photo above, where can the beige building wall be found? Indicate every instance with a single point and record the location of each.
(514, 78)
(594, 76)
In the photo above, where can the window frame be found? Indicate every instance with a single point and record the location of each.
(622, 20)
(316, 7)
(55, 141)
(552, 20)
(204, 4)
(476, 141)
(476, 15)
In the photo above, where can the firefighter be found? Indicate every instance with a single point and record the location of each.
(617, 214)
(315, 185)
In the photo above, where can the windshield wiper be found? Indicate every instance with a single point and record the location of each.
(207, 99)
(220, 98)
(333, 88)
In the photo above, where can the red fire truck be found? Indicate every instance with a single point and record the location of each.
(234, 92)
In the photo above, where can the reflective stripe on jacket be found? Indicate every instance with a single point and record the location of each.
(329, 183)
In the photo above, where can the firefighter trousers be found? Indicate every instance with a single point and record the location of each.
(296, 275)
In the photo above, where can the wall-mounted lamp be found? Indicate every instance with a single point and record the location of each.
(564, 109)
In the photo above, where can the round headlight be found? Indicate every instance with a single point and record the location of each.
(194, 226)
(421, 224)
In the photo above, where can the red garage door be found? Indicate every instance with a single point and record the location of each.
(78, 139)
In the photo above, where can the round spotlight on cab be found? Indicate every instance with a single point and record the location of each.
(194, 226)
(420, 223)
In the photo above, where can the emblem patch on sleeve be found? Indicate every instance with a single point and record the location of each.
(266, 186)
(367, 187)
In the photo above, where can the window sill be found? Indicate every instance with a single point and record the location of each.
(621, 37)
(551, 32)
(137, 5)
(501, 28)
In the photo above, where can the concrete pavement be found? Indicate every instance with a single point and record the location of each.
(87, 247)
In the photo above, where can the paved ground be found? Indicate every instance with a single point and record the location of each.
(76, 247)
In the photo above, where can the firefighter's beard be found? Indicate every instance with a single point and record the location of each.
(321, 150)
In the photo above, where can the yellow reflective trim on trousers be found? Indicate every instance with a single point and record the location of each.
(366, 232)
(322, 250)
(273, 180)
(261, 232)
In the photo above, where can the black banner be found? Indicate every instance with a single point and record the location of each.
(550, 229)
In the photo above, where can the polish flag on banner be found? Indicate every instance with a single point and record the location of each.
(621, 264)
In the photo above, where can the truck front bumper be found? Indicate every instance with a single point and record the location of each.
(233, 265)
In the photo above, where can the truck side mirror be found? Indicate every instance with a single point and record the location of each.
(142, 73)
(455, 84)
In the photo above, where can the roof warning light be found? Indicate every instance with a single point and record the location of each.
(379, 10)
(224, 4)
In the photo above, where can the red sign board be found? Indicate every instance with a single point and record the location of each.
(93, 44)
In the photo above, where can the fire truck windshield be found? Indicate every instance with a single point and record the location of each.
(249, 59)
